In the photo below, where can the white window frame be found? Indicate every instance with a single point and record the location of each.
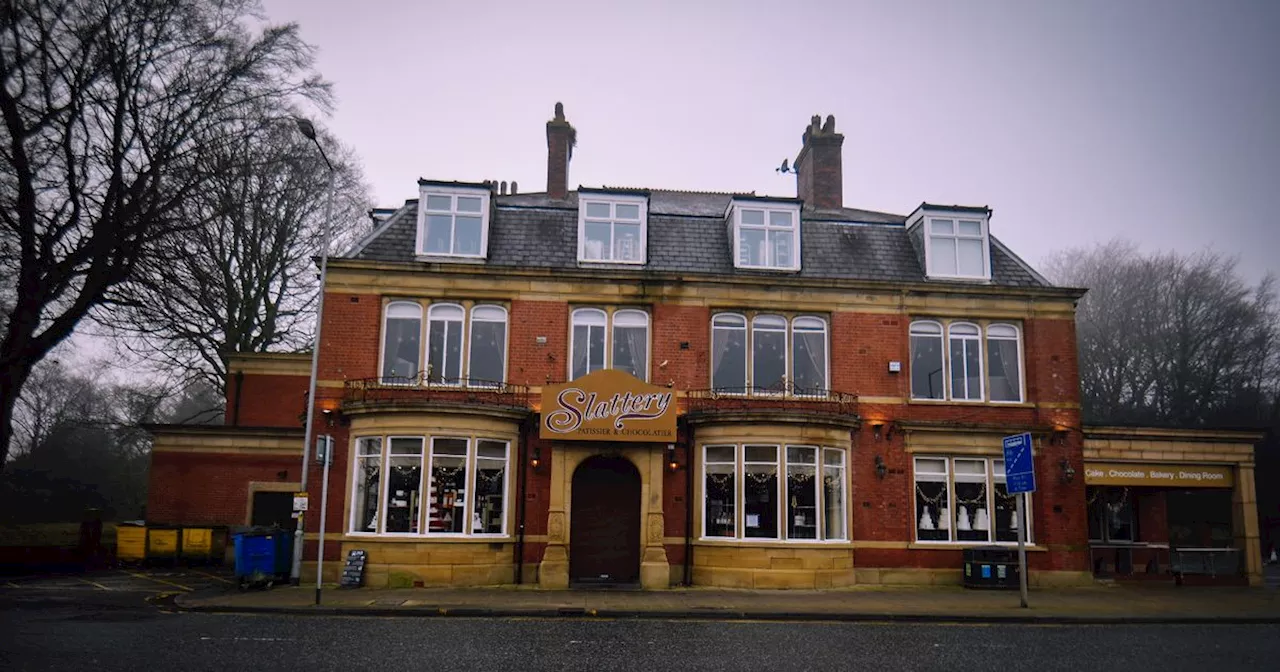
(452, 192)
(609, 318)
(826, 350)
(781, 464)
(928, 329)
(975, 337)
(745, 327)
(931, 262)
(748, 321)
(481, 308)
(462, 350)
(385, 484)
(356, 459)
(612, 201)
(1022, 374)
(382, 339)
(736, 209)
(950, 479)
(768, 322)
(943, 329)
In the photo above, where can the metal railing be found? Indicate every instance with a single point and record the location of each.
(783, 397)
(423, 388)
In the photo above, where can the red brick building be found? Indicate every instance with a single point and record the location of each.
(810, 395)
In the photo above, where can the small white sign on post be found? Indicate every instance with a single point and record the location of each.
(299, 501)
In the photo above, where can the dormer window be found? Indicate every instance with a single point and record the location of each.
(766, 235)
(612, 228)
(453, 221)
(957, 244)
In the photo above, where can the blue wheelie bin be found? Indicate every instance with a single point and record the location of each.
(263, 557)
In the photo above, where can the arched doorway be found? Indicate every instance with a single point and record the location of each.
(604, 522)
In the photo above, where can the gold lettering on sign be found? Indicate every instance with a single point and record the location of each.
(608, 405)
(1175, 475)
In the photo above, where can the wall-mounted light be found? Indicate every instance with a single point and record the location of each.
(876, 429)
(881, 469)
(536, 459)
(1068, 472)
(672, 464)
(1059, 435)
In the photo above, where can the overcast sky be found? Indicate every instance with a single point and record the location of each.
(1076, 121)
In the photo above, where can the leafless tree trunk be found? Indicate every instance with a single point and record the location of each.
(108, 110)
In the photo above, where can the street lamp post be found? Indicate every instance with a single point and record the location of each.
(309, 130)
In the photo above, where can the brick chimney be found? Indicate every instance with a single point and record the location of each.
(561, 137)
(819, 177)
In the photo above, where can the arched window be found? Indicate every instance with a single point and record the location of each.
(1004, 362)
(486, 360)
(809, 355)
(588, 341)
(768, 353)
(729, 353)
(402, 342)
(444, 344)
(966, 361)
(631, 343)
(927, 379)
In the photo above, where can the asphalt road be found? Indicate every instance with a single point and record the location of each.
(49, 629)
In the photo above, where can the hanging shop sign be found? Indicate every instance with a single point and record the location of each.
(1172, 475)
(608, 405)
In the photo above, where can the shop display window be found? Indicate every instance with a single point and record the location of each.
(802, 492)
(404, 485)
(368, 476)
(1111, 514)
(720, 518)
(964, 500)
(760, 491)
(388, 492)
(790, 508)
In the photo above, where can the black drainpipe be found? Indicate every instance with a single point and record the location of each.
(235, 410)
(522, 480)
(688, 508)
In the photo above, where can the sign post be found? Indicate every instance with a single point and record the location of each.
(1019, 479)
(326, 457)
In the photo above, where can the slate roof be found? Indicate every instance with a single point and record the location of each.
(688, 233)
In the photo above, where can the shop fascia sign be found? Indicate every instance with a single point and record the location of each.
(1176, 475)
(608, 405)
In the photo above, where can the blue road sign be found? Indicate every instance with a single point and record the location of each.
(1019, 473)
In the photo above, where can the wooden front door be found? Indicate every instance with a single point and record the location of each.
(604, 527)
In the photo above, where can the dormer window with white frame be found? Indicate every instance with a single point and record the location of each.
(612, 228)
(957, 244)
(453, 221)
(766, 235)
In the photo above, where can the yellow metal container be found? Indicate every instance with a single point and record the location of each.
(197, 543)
(131, 543)
(162, 544)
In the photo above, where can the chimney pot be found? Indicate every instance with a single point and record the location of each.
(819, 173)
(502, 188)
(561, 137)
(513, 187)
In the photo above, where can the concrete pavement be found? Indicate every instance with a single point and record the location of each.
(1103, 603)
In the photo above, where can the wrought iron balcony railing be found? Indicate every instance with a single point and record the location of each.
(784, 397)
(391, 390)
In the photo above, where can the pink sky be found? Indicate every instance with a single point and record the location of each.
(1076, 122)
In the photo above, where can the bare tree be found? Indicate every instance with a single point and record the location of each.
(243, 279)
(1173, 339)
(108, 109)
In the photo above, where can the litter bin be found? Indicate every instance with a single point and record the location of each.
(163, 542)
(202, 545)
(990, 567)
(131, 542)
(263, 557)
